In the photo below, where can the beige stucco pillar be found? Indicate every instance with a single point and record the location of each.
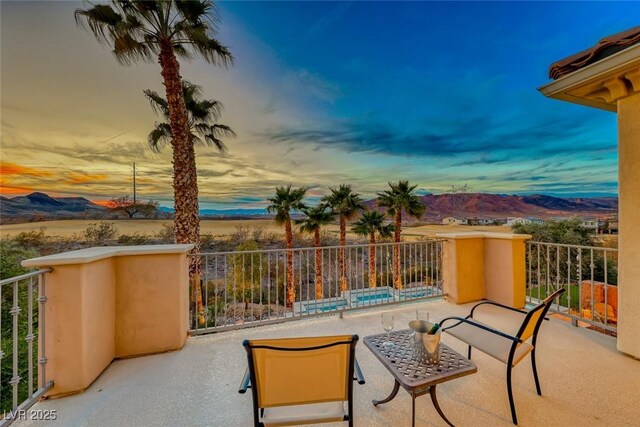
(479, 265)
(613, 84)
(110, 302)
(629, 225)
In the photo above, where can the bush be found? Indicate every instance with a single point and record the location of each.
(10, 257)
(240, 235)
(100, 233)
(167, 234)
(31, 239)
(568, 231)
(207, 240)
(133, 239)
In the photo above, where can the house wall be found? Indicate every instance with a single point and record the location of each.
(629, 224)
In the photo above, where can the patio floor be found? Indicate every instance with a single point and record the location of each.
(585, 381)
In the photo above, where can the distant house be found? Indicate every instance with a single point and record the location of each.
(591, 224)
(511, 221)
(454, 221)
(479, 221)
(536, 221)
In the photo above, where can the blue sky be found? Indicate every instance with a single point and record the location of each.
(321, 93)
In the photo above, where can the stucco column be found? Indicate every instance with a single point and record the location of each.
(110, 302)
(463, 267)
(477, 265)
(629, 225)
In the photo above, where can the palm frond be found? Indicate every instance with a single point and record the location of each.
(159, 136)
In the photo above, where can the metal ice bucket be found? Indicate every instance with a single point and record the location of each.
(426, 348)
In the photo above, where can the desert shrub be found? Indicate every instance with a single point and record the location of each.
(136, 238)
(327, 238)
(32, 239)
(167, 233)
(11, 255)
(245, 273)
(239, 235)
(257, 234)
(568, 231)
(207, 240)
(100, 233)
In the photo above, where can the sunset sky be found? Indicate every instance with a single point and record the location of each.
(320, 93)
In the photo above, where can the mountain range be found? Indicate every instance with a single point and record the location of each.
(40, 206)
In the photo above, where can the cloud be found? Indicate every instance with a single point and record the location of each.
(7, 168)
(80, 178)
(475, 140)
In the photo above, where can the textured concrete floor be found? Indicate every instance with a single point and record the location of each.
(585, 381)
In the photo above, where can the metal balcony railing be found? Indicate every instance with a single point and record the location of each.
(245, 288)
(588, 273)
(23, 377)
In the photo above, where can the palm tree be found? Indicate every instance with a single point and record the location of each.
(288, 199)
(346, 204)
(370, 223)
(202, 118)
(163, 30)
(316, 217)
(400, 197)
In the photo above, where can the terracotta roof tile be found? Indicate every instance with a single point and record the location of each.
(605, 47)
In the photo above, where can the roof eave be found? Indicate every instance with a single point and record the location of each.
(605, 68)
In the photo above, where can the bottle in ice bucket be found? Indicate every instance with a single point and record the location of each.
(426, 341)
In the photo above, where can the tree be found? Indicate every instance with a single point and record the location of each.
(202, 118)
(569, 231)
(126, 204)
(144, 31)
(288, 199)
(370, 223)
(315, 218)
(245, 274)
(400, 197)
(345, 203)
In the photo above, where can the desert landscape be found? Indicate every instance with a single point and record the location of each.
(217, 228)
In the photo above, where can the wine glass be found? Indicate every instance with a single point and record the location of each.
(387, 325)
(422, 315)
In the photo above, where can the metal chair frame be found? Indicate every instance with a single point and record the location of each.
(517, 339)
(354, 372)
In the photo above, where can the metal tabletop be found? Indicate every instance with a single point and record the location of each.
(416, 377)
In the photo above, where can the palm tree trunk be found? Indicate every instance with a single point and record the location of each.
(316, 242)
(185, 181)
(290, 286)
(373, 282)
(397, 276)
(343, 266)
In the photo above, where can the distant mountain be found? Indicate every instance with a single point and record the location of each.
(42, 206)
(225, 212)
(470, 205)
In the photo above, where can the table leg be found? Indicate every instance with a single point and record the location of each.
(396, 387)
(413, 410)
(434, 399)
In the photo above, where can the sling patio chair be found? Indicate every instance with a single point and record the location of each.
(509, 349)
(302, 380)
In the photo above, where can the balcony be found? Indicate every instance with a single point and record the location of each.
(585, 380)
(78, 325)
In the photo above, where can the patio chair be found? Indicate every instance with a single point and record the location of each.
(509, 349)
(301, 380)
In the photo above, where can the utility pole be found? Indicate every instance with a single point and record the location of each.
(134, 183)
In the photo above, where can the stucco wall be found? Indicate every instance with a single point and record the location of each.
(80, 323)
(629, 225)
(479, 265)
(111, 302)
(152, 303)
